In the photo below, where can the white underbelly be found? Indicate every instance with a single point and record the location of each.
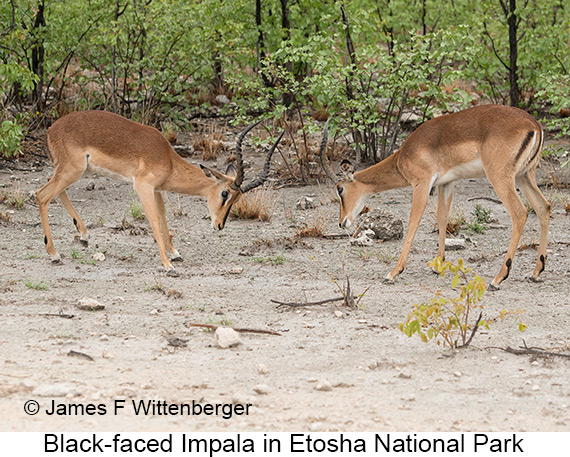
(93, 169)
(466, 170)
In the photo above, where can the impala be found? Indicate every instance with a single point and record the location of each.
(502, 143)
(111, 145)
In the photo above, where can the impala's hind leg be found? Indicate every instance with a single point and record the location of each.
(77, 221)
(55, 186)
(541, 207)
(505, 187)
(174, 255)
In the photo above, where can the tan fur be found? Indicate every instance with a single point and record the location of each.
(502, 143)
(109, 144)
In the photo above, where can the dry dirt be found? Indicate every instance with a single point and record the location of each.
(380, 379)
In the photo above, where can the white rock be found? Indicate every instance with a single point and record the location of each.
(89, 304)
(457, 374)
(262, 369)
(305, 203)
(222, 99)
(226, 337)
(323, 385)
(56, 390)
(261, 389)
(99, 257)
(454, 243)
(154, 312)
(338, 313)
(236, 270)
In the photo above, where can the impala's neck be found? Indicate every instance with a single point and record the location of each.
(187, 179)
(383, 176)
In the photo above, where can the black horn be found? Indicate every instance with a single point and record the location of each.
(263, 176)
(236, 185)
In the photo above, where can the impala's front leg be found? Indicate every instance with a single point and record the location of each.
(419, 202)
(147, 197)
(174, 254)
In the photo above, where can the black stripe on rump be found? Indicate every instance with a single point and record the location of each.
(524, 145)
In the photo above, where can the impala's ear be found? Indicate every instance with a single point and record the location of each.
(231, 170)
(347, 169)
(211, 173)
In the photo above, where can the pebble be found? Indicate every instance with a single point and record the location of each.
(56, 390)
(89, 304)
(323, 386)
(154, 312)
(338, 313)
(226, 337)
(262, 369)
(236, 270)
(457, 374)
(99, 257)
(104, 338)
(454, 244)
(261, 389)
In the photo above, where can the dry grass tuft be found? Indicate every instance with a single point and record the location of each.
(315, 227)
(209, 143)
(257, 204)
(15, 197)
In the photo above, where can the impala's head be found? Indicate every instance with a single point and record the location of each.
(350, 191)
(221, 194)
(352, 195)
(226, 189)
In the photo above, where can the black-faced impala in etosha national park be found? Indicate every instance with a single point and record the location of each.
(111, 145)
(499, 142)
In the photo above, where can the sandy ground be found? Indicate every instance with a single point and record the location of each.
(379, 379)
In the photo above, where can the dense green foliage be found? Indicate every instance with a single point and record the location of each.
(365, 61)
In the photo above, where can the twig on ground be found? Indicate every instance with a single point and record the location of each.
(313, 303)
(62, 315)
(534, 351)
(240, 330)
(73, 353)
(494, 200)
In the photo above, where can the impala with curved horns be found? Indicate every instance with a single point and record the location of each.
(111, 145)
(499, 142)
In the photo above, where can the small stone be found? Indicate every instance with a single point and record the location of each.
(89, 304)
(104, 338)
(226, 337)
(222, 99)
(236, 270)
(316, 426)
(99, 257)
(107, 355)
(305, 203)
(338, 314)
(363, 239)
(457, 374)
(56, 390)
(535, 388)
(403, 375)
(262, 369)
(454, 244)
(261, 389)
(323, 386)
(154, 312)
(90, 186)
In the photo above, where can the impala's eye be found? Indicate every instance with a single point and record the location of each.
(339, 190)
(225, 195)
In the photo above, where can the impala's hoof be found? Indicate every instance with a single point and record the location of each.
(492, 288)
(84, 243)
(172, 273)
(178, 258)
(388, 281)
(536, 280)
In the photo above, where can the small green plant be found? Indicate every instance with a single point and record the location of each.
(449, 317)
(481, 217)
(136, 210)
(11, 136)
(278, 259)
(15, 197)
(35, 285)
